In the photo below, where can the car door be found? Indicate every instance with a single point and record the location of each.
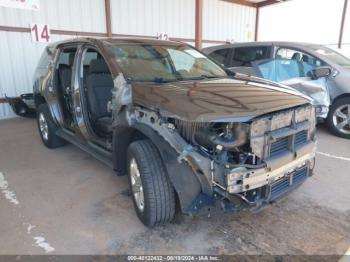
(85, 110)
(45, 82)
(60, 85)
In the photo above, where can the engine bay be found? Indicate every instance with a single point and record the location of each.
(237, 158)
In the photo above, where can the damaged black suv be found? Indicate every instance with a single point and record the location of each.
(187, 133)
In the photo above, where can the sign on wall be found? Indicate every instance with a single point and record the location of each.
(40, 33)
(22, 4)
(163, 36)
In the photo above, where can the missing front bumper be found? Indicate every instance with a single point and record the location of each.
(242, 179)
(253, 200)
(255, 189)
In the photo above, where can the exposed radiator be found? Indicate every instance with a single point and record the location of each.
(282, 185)
(284, 145)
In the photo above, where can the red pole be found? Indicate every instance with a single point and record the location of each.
(199, 24)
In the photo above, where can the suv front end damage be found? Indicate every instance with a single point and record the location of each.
(187, 134)
(240, 165)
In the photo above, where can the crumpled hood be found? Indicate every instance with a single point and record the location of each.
(219, 100)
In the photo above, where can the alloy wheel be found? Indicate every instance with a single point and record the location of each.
(136, 185)
(43, 126)
(341, 119)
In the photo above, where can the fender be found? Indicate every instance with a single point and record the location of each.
(185, 182)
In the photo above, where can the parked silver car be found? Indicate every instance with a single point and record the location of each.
(314, 70)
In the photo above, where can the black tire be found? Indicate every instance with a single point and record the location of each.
(51, 140)
(330, 123)
(159, 194)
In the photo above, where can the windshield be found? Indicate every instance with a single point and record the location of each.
(334, 56)
(162, 63)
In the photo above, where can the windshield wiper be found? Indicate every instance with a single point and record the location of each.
(161, 80)
(158, 80)
(211, 76)
(202, 77)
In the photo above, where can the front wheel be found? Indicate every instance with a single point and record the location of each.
(338, 119)
(153, 194)
(47, 128)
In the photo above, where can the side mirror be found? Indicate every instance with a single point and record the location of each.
(319, 72)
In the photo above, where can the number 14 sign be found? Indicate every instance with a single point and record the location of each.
(40, 33)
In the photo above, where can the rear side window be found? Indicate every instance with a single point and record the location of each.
(244, 56)
(45, 58)
(67, 57)
(220, 55)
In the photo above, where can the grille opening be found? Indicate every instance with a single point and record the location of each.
(301, 138)
(282, 185)
(282, 145)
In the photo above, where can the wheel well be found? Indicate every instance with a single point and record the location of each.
(38, 100)
(340, 97)
(122, 138)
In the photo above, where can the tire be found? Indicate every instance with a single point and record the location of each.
(47, 128)
(158, 193)
(333, 119)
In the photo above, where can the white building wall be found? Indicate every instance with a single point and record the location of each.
(224, 21)
(149, 17)
(302, 21)
(278, 23)
(74, 15)
(19, 56)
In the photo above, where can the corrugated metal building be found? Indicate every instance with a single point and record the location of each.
(222, 21)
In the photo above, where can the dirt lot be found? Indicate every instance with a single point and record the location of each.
(65, 202)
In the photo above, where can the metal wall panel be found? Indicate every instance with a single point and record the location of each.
(226, 21)
(221, 20)
(75, 15)
(19, 56)
(149, 17)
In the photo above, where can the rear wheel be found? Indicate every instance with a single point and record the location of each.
(47, 128)
(338, 119)
(153, 195)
